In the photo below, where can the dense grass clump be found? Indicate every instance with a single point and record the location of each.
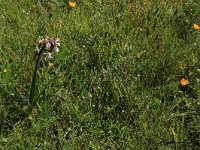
(127, 75)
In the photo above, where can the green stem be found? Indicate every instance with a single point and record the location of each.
(33, 83)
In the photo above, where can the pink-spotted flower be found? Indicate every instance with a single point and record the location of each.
(47, 46)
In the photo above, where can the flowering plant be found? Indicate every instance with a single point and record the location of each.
(45, 49)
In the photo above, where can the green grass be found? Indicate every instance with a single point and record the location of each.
(98, 94)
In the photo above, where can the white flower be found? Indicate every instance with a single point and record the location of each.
(48, 45)
(48, 55)
(40, 41)
(57, 43)
(56, 49)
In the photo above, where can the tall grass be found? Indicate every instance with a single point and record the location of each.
(115, 83)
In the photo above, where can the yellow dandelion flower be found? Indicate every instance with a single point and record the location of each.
(184, 82)
(72, 4)
(196, 26)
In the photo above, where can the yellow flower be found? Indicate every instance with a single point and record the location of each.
(184, 82)
(5, 70)
(138, 55)
(30, 117)
(50, 65)
(72, 4)
(196, 26)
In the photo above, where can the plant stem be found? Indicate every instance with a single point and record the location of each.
(33, 83)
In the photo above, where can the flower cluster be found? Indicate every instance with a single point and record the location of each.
(47, 46)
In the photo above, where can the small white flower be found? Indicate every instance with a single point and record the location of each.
(40, 41)
(58, 43)
(56, 49)
(47, 55)
(48, 45)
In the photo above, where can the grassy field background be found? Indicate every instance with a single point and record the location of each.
(115, 84)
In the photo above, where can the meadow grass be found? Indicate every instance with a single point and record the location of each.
(115, 84)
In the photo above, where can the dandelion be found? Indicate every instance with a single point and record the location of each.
(196, 26)
(184, 82)
(72, 4)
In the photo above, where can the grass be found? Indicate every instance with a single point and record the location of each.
(115, 82)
